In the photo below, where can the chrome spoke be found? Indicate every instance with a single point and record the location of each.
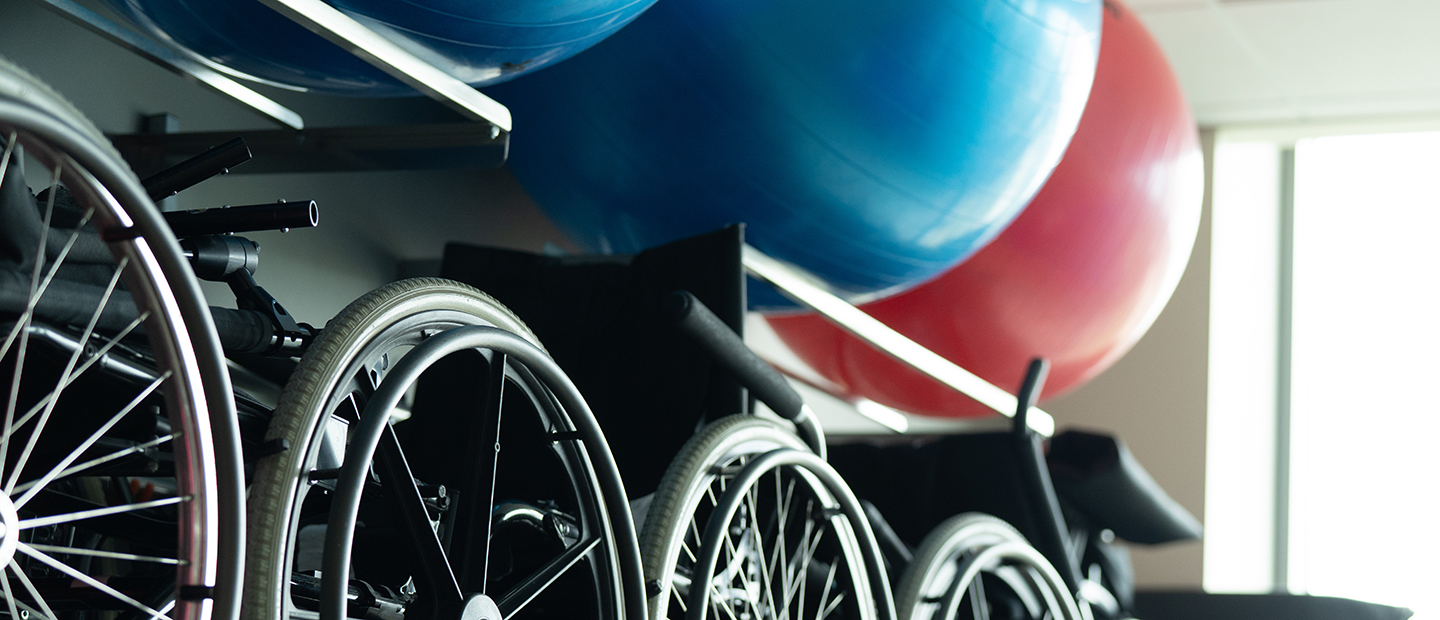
(118, 454)
(808, 546)
(781, 558)
(114, 555)
(825, 593)
(750, 498)
(830, 580)
(91, 361)
(26, 524)
(34, 593)
(9, 597)
(89, 441)
(64, 376)
(38, 291)
(24, 323)
(90, 581)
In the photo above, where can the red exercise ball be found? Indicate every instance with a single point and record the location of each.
(1080, 274)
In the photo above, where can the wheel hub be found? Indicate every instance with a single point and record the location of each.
(480, 607)
(9, 529)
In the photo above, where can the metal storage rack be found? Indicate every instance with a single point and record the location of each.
(485, 139)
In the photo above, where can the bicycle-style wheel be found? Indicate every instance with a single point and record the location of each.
(976, 567)
(108, 468)
(448, 515)
(786, 548)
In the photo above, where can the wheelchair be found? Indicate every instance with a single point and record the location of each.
(127, 453)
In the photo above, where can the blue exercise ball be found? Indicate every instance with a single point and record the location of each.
(480, 43)
(873, 144)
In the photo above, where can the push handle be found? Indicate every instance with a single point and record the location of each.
(186, 174)
(225, 220)
(729, 350)
(726, 347)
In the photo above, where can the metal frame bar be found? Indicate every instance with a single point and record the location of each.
(354, 37)
(1283, 351)
(809, 292)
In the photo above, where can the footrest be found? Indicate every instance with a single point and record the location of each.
(1097, 474)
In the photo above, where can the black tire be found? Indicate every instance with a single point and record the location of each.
(975, 566)
(787, 513)
(546, 495)
(111, 470)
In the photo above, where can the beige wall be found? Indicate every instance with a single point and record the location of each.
(1155, 397)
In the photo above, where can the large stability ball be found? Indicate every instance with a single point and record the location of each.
(1078, 277)
(480, 43)
(873, 144)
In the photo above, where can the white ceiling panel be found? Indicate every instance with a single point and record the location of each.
(1249, 61)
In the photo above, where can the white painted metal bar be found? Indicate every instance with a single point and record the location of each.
(342, 30)
(809, 292)
(174, 61)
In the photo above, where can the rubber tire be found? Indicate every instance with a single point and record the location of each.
(954, 537)
(276, 481)
(667, 521)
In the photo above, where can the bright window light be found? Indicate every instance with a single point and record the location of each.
(1365, 481)
(1240, 437)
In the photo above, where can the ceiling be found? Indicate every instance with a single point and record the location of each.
(1301, 61)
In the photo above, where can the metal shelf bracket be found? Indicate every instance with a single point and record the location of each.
(809, 292)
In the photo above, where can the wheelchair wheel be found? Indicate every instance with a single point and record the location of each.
(785, 546)
(111, 499)
(448, 514)
(975, 566)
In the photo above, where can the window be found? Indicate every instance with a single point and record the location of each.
(1319, 397)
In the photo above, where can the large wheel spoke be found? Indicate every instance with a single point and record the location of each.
(979, 607)
(101, 460)
(45, 610)
(26, 524)
(89, 441)
(396, 476)
(97, 553)
(24, 323)
(480, 494)
(64, 378)
(516, 599)
(90, 581)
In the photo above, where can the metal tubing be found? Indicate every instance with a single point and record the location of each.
(188, 173)
(225, 220)
(354, 37)
(865, 327)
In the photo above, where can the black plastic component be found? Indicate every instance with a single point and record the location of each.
(727, 348)
(1097, 474)
(188, 173)
(897, 554)
(429, 146)
(600, 319)
(289, 338)
(224, 220)
(243, 331)
(216, 257)
(1051, 531)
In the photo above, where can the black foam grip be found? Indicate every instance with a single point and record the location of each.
(242, 331)
(727, 348)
